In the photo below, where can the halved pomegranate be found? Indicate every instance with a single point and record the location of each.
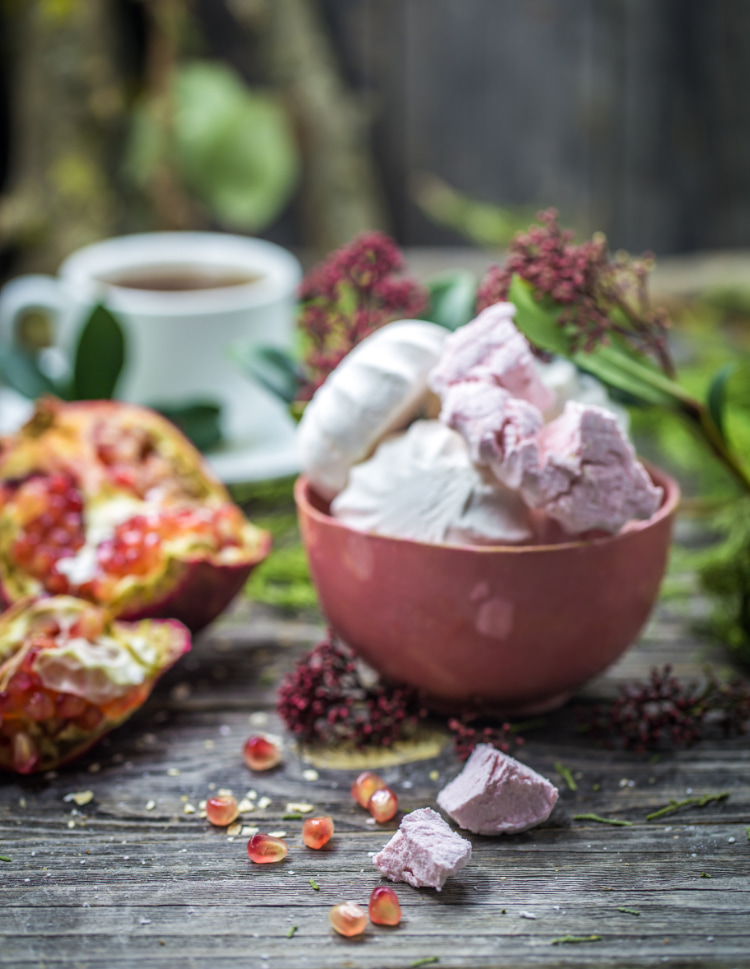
(110, 502)
(69, 674)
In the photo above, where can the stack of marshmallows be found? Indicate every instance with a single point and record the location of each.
(466, 438)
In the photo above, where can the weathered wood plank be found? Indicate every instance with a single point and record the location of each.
(122, 880)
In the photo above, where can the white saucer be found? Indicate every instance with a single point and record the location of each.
(242, 463)
(235, 462)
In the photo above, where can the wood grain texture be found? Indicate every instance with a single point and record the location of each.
(121, 881)
(625, 114)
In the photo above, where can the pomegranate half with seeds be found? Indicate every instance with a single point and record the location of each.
(69, 674)
(110, 502)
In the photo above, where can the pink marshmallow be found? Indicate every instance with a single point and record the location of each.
(498, 428)
(588, 475)
(495, 794)
(424, 851)
(491, 349)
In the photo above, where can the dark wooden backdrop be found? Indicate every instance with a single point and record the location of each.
(630, 115)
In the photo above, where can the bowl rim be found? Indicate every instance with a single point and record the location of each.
(303, 489)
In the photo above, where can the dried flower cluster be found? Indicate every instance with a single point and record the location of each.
(601, 295)
(355, 291)
(667, 711)
(468, 732)
(325, 698)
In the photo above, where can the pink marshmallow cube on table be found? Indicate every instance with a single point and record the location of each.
(496, 794)
(424, 851)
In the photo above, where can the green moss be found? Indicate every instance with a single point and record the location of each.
(725, 574)
(283, 580)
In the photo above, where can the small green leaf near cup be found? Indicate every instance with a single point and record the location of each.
(99, 358)
(198, 420)
(452, 299)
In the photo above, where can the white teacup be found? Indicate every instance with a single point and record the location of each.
(183, 298)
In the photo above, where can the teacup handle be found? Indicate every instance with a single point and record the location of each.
(25, 293)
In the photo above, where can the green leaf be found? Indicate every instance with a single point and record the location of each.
(617, 370)
(717, 396)
(538, 319)
(20, 370)
(615, 364)
(100, 356)
(234, 147)
(231, 146)
(200, 421)
(269, 366)
(452, 299)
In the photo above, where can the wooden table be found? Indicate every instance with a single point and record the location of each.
(137, 876)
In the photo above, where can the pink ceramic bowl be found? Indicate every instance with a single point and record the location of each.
(516, 629)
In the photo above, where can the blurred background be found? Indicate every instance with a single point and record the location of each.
(307, 121)
(446, 123)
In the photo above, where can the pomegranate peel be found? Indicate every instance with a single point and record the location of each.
(110, 502)
(69, 674)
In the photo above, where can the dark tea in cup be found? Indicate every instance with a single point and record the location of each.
(176, 279)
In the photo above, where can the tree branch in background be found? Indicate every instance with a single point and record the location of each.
(341, 193)
(171, 205)
(67, 124)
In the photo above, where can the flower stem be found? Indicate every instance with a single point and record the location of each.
(565, 939)
(567, 775)
(597, 817)
(676, 805)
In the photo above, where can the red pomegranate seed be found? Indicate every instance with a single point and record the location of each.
(50, 509)
(317, 832)
(89, 719)
(384, 908)
(20, 683)
(222, 809)
(57, 584)
(383, 804)
(364, 787)
(261, 753)
(135, 548)
(40, 706)
(132, 550)
(348, 919)
(264, 849)
(70, 706)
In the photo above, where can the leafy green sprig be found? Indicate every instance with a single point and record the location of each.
(98, 361)
(618, 365)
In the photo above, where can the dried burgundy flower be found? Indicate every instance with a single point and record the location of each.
(601, 295)
(469, 731)
(345, 298)
(664, 710)
(325, 698)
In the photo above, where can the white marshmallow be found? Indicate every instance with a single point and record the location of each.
(378, 388)
(422, 485)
